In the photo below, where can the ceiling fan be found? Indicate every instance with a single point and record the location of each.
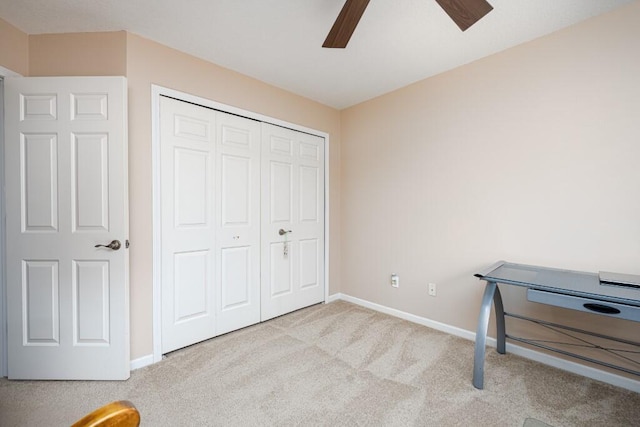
(464, 13)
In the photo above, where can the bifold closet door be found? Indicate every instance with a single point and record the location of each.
(242, 207)
(187, 140)
(292, 267)
(210, 168)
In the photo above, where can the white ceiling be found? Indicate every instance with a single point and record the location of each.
(279, 42)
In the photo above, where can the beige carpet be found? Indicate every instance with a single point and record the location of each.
(530, 422)
(335, 364)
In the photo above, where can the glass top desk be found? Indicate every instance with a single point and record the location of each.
(609, 294)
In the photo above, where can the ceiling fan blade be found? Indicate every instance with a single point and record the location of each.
(465, 13)
(345, 23)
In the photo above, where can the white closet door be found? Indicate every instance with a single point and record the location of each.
(229, 184)
(238, 242)
(66, 189)
(187, 138)
(292, 260)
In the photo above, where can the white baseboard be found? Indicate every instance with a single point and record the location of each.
(141, 362)
(556, 362)
(334, 297)
(411, 317)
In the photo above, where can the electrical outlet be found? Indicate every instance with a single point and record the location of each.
(395, 280)
(432, 289)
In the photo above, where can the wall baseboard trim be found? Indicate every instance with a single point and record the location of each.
(141, 362)
(443, 327)
(333, 297)
(546, 359)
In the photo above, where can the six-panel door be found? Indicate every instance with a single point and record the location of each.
(66, 189)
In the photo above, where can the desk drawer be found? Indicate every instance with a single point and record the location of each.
(611, 309)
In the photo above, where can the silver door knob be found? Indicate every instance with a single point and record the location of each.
(114, 245)
(283, 231)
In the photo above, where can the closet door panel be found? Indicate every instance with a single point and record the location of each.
(187, 139)
(292, 220)
(236, 190)
(238, 245)
(235, 268)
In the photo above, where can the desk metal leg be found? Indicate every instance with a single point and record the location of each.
(500, 325)
(481, 333)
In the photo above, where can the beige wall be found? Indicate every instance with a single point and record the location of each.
(530, 155)
(78, 54)
(149, 62)
(14, 48)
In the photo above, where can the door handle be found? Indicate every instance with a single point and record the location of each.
(282, 231)
(114, 245)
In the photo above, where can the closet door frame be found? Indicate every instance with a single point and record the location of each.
(156, 93)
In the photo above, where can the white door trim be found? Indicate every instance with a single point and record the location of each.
(5, 72)
(156, 93)
(4, 369)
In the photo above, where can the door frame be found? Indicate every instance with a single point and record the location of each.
(158, 91)
(4, 368)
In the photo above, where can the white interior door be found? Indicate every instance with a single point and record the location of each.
(66, 191)
(187, 139)
(292, 259)
(238, 244)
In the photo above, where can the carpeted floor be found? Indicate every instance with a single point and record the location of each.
(334, 364)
